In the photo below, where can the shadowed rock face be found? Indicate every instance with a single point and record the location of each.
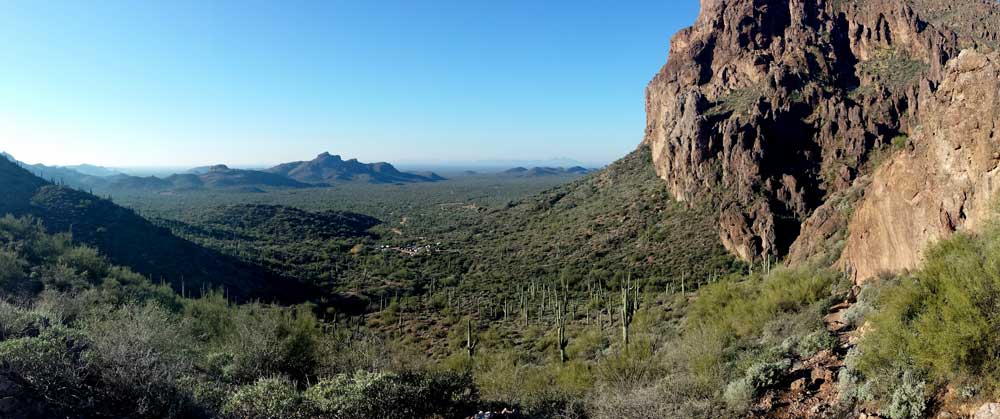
(773, 110)
(947, 180)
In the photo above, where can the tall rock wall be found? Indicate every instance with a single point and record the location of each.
(773, 111)
(945, 180)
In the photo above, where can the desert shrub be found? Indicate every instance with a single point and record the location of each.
(734, 325)
(268, 341)
(852, 386)
(634, 368)
(766, 374)
(139, 354)
(868, 299)
(409, 394)
(344, 351)
(123, 286)
(907, 400)
(346, 396)
(17, 322)
(86, 261)
(67, 308)
(13, 278)
(741, 309)
(63, 278)
(268, 398)
(739, 394)
(50, 364)
(941, 320)
(815, 342)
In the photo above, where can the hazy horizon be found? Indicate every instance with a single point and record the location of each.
(184, 84)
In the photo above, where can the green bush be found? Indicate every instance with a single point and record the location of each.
(12, 275)
(87, 261)
(16, 322)
(63, 278)
(766, 374)
(267, 341)
(346, 396)
(815, 342)
(942, 319)
(50, 364)
(376, 395)
(268, 398)
(739, 394)
(140, 353)
(907, 399)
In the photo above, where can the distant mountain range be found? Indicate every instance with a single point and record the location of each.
(128, 239)
(324, 170)
(545, 171)
(327, 168)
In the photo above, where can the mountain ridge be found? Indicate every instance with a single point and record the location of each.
(777, 112)
(327, 168)
(130, 240)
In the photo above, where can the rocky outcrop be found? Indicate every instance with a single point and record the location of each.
(946, 179)
(327, 168)
(988, 411)
(770, 110)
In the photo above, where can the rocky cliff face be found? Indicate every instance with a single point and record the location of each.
(776, 111)
(945, 179)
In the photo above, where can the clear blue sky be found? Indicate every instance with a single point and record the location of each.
(147, 83)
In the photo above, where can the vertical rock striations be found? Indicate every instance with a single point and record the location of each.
(946, 180)
(771, 110)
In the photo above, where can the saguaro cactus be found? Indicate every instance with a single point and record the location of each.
(627, 311)
(561, 319)
(470, 342)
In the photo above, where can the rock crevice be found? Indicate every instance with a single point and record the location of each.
(774, 111)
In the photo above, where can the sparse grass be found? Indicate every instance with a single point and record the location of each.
(737, 102)
(893, 69)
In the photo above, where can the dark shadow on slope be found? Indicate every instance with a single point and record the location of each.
(130, 240)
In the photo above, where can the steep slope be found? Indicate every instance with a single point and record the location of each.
(327, 168)
(771, 110)
(128, 239)
(17, 187)
(545, 171)
(608, 223)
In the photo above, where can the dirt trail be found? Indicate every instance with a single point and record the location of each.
(810, 388)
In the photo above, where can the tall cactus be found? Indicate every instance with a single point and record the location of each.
(561, 321)
(563, 342)
(627, 307)
(470, 342)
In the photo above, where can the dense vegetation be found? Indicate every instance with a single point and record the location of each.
(931, 332)
(80, 337)
(128, 239)
(572, 301)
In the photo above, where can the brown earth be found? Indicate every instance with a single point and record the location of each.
(809, 390)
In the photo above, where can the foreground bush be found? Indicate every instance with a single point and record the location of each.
(268, 398)
(938, 324)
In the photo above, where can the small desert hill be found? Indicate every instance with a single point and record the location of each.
(327, 168)
(221, 176)
(545, 171)
(130, 240)
(614, 220)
